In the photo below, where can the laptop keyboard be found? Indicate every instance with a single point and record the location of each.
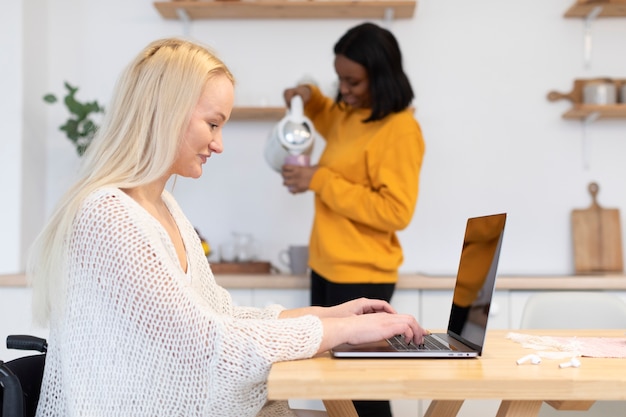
(430, 343)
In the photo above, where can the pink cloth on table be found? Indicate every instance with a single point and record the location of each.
(593, 347)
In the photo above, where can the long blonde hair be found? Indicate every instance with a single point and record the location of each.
(136, 145)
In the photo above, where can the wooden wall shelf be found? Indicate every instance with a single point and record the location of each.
(590, 112)
(583, 111)
(187, 10)
(258, 113)
(610, 8)
(286, 9)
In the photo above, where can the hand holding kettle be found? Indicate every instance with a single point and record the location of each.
(291, 140)
(297, 177)
(302, 90)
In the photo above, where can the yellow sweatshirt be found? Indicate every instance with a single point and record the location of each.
(365, 188)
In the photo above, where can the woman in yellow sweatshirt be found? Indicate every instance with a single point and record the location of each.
(366, 181)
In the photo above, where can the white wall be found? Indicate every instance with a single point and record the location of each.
(481, 71)
(11, 136)
(33, 73)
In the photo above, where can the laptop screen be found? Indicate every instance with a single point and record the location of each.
(476, 278)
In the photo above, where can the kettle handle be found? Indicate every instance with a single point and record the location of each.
(297, 109)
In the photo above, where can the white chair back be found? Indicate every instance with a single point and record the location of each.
(577, 310)
(574, 310)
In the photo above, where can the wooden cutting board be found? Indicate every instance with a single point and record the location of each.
(596, 232)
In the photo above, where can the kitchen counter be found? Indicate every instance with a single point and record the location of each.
(406, 281)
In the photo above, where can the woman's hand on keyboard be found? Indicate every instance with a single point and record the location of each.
(365, 328)
(361, 321)
(360, 306)
(347, 309)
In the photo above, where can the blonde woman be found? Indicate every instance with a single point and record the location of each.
(138, 325)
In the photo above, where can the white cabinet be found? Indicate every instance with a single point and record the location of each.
(407, 302)
(518, 298)
(289, 298)
(433, 307)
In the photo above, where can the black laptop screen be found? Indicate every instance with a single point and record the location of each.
(476, 278)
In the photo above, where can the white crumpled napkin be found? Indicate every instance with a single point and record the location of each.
(567, 347)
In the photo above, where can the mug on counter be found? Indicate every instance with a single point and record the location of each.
(296, 258)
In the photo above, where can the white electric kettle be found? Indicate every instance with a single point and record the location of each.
(292, 138)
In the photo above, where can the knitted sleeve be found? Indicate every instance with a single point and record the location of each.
(138, 339)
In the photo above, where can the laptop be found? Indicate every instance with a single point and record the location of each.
(471, 300)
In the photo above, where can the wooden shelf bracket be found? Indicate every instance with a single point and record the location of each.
(586, 145)
(388, 17)
(593, 14)
(184, 17)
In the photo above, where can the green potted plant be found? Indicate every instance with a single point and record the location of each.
(79, 128)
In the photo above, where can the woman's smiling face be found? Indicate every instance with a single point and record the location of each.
(203, 136)
(354, 84)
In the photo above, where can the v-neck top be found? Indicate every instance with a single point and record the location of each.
(134, 338)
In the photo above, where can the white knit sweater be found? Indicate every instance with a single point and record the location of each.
(140, 337)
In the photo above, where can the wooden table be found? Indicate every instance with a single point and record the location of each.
(522, 388)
